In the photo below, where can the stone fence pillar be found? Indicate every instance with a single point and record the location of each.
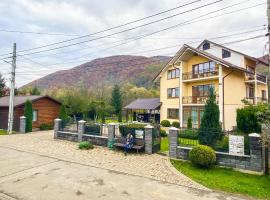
(148, 139)
(22, 124)
(256, 158)
(173, 140)
(57, 126)
(111, 134)
(81, 129)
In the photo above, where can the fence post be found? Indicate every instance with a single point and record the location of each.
(22, 124)
(57, 127)
(148, 139)
(256, 159)
(111, 134)
(81, 129)
(173, 141)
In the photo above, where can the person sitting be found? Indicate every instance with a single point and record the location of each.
(129, 143)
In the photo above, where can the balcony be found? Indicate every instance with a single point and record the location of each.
(250, 77)
(190, 75)
(195, 100)
(251, 100)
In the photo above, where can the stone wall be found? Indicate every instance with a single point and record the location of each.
(253, 162)
(224, 159)
(73, 137)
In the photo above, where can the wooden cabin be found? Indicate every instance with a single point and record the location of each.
(45, 110)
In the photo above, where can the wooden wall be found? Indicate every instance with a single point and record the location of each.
(3, 117)
(48, 110)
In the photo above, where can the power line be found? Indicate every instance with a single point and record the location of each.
(101, 37)
(134, 59)
(167, 47)
(161, 30)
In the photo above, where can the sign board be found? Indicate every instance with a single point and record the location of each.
(236, 145)
(139, 134)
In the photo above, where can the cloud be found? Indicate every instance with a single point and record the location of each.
(82, 17)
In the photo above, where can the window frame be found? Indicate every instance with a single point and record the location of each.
(170, 92)
(202, 68)
(173, 73)
(35, 120)
(170, 115)
(226, 53)
(206, 46)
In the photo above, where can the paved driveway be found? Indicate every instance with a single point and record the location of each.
(35, 166)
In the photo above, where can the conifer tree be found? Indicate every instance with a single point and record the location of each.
(210, 129)
(28, 113)
(116, 102)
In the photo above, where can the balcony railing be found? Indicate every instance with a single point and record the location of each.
(191, 75)
(251, 100)
(195, 99)
(251, 76)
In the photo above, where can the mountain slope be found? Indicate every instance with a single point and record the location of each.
(138, 70)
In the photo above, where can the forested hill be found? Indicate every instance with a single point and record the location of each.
(138, 70)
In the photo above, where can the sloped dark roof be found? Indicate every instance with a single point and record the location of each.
(264, 59)
(144, 104)
(20, 100)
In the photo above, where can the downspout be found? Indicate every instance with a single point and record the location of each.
(223, 104)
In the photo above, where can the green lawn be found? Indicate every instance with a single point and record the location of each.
(164, 146)
(3, 132)
(227, 180)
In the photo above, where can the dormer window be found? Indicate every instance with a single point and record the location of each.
(206, 46)
(226, 53)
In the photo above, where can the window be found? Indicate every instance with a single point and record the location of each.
(172, 113)
(250, 92)
(201, 90)
(225, 53)
(35, 115)
(173, 92)
(203, 68)
(206, 46)
(263, 94)
(174, 73)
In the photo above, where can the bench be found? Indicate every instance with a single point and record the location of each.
(138, 143)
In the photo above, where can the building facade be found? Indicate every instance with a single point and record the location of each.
(186, 79)
(45, 110)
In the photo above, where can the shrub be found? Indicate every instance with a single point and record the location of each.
(223, 144)
(130, 128)
(28, 113)
(176, 124)
(165, 123)
(63, 114)
(189, 134)
(189, 123)
(163, 133)
(86, 145)
(46, 127)
(247, 120)
(202, 156)
(210, 129)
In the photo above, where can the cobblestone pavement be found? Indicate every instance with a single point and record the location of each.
(151, 166)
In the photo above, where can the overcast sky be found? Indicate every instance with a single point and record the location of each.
(53, 21)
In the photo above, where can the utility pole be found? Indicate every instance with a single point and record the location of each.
(12, 88)
(266, 150)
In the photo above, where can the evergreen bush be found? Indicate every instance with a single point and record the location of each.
(189, 134)
(247, 120)
(46, 127)
(176, 124)
(163, 133)
(28, 113)
(189, 123)
(202, 156)
(210, 130)
(165, 123)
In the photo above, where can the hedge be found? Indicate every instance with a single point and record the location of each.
(130, 128)
(46, 127)
(189, 134)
